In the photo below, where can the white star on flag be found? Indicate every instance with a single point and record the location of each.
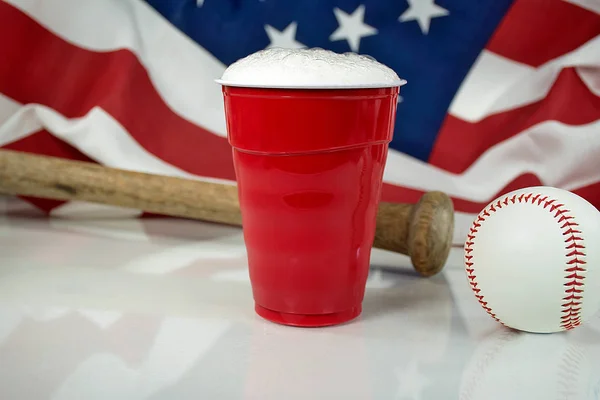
(423, 11)
(199, 3)
(352, 27)
(284, 39)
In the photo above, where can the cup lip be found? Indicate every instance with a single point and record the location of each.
(300, 86)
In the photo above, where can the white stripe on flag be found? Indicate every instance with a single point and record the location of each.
(81, 210)
(591, 77)
(592, 5)
(462, 223)
(496, 84)
(560, 155)
(97, 134)
(485, 83)
(15, 124)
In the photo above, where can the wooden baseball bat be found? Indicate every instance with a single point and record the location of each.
(422, 231)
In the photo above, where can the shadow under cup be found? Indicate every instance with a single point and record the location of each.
(309, 166)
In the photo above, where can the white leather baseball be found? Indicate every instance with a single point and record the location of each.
(532, 258)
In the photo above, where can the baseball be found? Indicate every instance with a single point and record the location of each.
(532, 259)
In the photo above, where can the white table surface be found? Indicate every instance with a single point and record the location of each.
(125, 308)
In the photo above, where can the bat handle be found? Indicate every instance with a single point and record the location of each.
(422, 231)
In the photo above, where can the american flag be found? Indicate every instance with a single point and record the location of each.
(501, 94)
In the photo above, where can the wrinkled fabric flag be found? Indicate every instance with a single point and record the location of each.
(501, 94)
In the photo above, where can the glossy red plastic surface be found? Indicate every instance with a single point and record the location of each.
(309, 166)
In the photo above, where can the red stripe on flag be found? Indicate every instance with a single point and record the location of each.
(536, 31)
(40, 67)
(460, 143)
(398, 194)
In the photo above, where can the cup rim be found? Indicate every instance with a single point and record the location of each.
(299, 86)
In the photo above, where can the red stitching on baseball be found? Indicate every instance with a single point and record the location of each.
(574, 247)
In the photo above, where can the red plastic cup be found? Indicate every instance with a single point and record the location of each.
(309, 165)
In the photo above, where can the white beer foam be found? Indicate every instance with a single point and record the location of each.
(308, 68)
